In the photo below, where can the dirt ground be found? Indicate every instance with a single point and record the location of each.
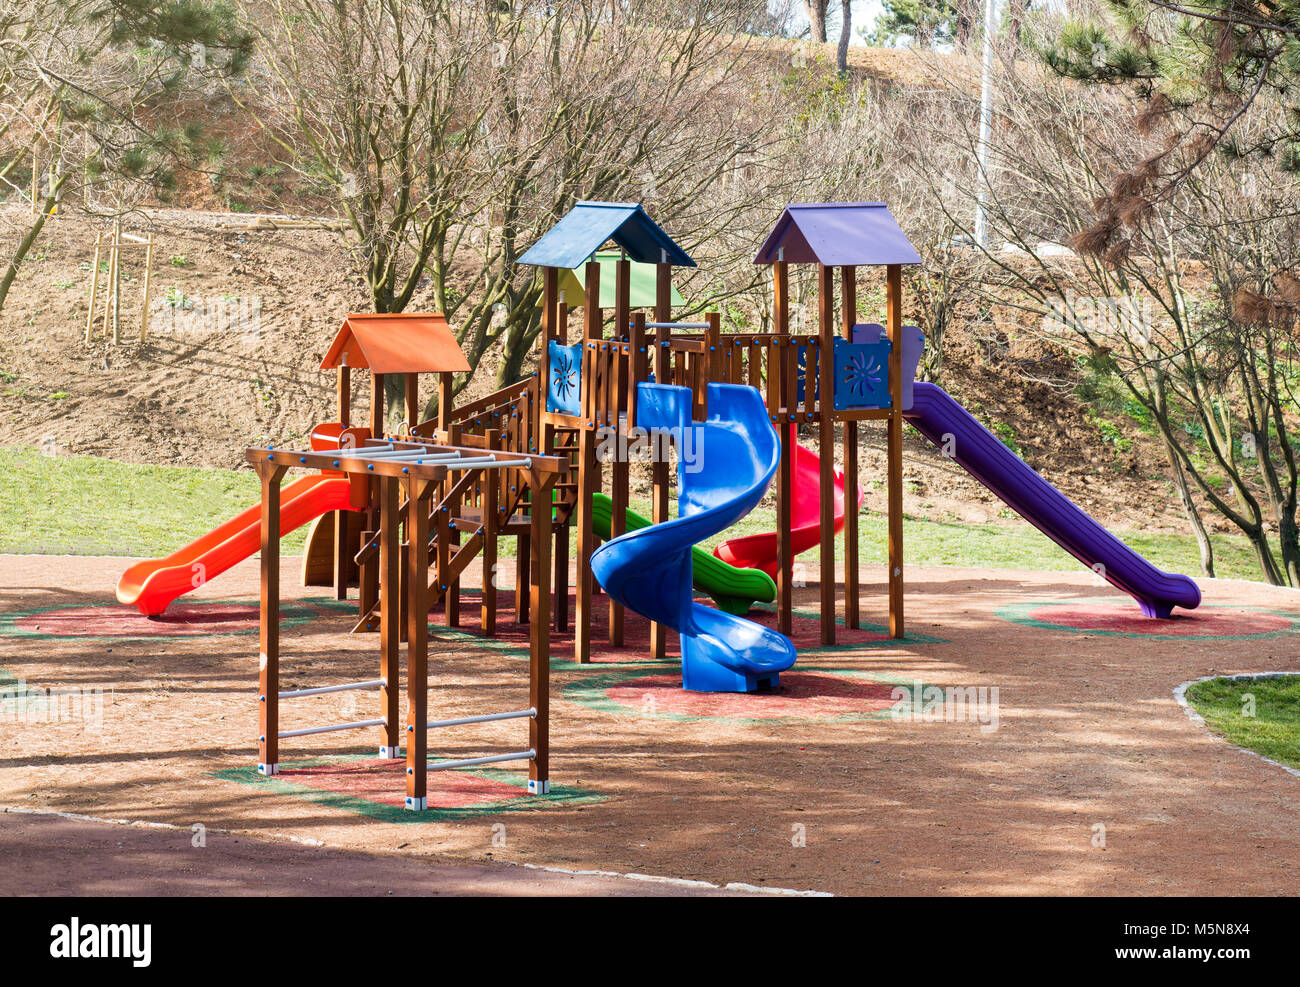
(1084, 777)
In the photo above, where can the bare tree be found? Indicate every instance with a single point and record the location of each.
(454, 136)
(1160, 309)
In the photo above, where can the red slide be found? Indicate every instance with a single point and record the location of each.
(153, 584)
(759, 551)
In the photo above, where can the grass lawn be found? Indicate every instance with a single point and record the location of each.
(1274, 728)
(83, 505)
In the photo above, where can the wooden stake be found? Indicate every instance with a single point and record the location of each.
(116, 277)
(148, 281)
(94, 287)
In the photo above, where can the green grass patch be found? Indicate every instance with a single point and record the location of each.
(1262, 715)
(84, 505)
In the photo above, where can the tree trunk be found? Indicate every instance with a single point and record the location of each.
(1193, 514)
(25, 245)
(846, 28)
(817, 19)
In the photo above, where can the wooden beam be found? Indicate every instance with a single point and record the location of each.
(488, 507)
(376, 405)
(412, 396)
(826, 445)
(619, 472)
(785, 471)
(539, 643)
(417, 645)
(586, 545)
(852, 604)
(268, 677)
(343, 395)
(588, 473)
(894, 452)
(444, 401)
(390, 613)
(662, 364)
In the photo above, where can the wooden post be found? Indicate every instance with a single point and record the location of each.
(268, 678)
(539, 640)
(826, 444)
(620, 468)
(417, 643)
(712, 358)
(785, 472)
(894, 453)
(412, 396)
(343, 393)
(488, 508)
(852, 605)
(94, 285)
(659, 468)
(368, 577)
(390, 611)
(148, 282)
(344, 544)
(587, 471)
(444, 401)
(377, 405)
(550, 331)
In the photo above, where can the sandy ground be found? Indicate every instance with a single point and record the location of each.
(1093, 782)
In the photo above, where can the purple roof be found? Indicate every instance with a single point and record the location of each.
(838, 234)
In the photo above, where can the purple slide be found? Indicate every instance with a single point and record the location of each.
(952, 428)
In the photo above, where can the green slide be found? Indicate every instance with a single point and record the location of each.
(733, 590)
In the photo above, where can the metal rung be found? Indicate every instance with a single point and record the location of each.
(355, 725)
(346, 687)
(486, 462)
(527, 755)
(485, 718)
(676, 325)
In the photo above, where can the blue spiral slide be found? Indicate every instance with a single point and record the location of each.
(649, 570)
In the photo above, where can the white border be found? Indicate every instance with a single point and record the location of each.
(1180, 694)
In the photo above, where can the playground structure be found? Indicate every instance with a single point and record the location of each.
(402, 517)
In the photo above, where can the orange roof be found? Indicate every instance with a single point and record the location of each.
(405, 343)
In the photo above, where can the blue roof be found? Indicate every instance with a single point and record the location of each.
(588, 226)
(838, 234)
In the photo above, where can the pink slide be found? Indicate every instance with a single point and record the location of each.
(759, 551)
(153, 584)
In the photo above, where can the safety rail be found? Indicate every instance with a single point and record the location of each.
(354, 725)
(369, 685)
(483, 718)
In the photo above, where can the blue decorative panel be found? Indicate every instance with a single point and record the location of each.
(564, 388)
(801, 374)
(861, 374)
